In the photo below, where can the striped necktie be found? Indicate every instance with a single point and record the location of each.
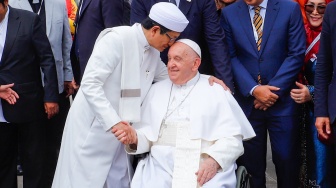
(257, 22)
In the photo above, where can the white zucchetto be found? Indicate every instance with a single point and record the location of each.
(193, 45)
(169, 16)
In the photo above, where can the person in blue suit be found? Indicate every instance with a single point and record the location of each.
(203, 28)
(325, 78)
(93, 16)
(266, 39)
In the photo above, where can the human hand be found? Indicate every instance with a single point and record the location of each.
(213, 79)
(300, 95)
(51, 109)
(125, 133)
(74, 84)
(259, 105)
(68, 87)
(264, 94)
(322, 125)
(207, 170)
(7, 94)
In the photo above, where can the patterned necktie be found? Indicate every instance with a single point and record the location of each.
(257, 22)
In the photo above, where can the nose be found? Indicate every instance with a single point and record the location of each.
(170, 63)
(315, 11)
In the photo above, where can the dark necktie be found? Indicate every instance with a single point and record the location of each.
(173, 1)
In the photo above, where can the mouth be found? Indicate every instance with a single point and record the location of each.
(315, 18)
(173, 71)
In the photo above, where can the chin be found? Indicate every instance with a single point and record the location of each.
(316, 23)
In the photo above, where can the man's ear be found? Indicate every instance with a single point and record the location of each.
(197, 63)
(155, 29)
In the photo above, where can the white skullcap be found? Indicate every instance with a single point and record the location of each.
(169, 16)
(193, 45)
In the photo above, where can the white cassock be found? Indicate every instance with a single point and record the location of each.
(209, 118)
(90, 154)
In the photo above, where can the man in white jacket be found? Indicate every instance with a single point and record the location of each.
(192, 131)
(123, 65)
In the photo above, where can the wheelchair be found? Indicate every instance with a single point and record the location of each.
(243, 177)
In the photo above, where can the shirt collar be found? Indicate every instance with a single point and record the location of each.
(262, 4)
(191, 82)
(5, 20)
(141, 36)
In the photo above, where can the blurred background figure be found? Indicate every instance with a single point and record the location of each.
(92, 17)
(302, 7)
(318, 159)
(325, 78)
(72, 9)
(221, 4)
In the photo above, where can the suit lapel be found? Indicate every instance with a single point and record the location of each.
(245, 20)
(12, 30)
(49, 13)
(271, 14)
(84, 6)
(184, 6)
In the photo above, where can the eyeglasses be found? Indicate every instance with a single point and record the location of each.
(309, 8)
(171, 39)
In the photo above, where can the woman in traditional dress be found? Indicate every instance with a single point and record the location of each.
(318, 164)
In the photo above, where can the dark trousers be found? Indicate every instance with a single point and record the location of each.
(30, 138)
(54, 132)
(284, 138)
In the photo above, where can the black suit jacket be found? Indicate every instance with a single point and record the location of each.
(26, 52)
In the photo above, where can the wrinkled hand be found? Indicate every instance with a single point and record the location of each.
(259, 105)
(213, 79)
(7, 94)
(68, 87)
(125, 133)
(322, 125)
(264, 94)
(51, 109)
(300, 95)
(207, 170)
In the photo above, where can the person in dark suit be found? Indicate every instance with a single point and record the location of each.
(92, 17)
(56, 24)
(203, 28)
(325, 82)
(25, 51)
(267, 44)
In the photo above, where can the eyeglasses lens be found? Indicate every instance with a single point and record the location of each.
(310, 8)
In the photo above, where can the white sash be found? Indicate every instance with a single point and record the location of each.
(187, 154)
(130, 97)
(317, 38)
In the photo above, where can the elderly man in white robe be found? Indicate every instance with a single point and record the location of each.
(192, 131)
(123, 65)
